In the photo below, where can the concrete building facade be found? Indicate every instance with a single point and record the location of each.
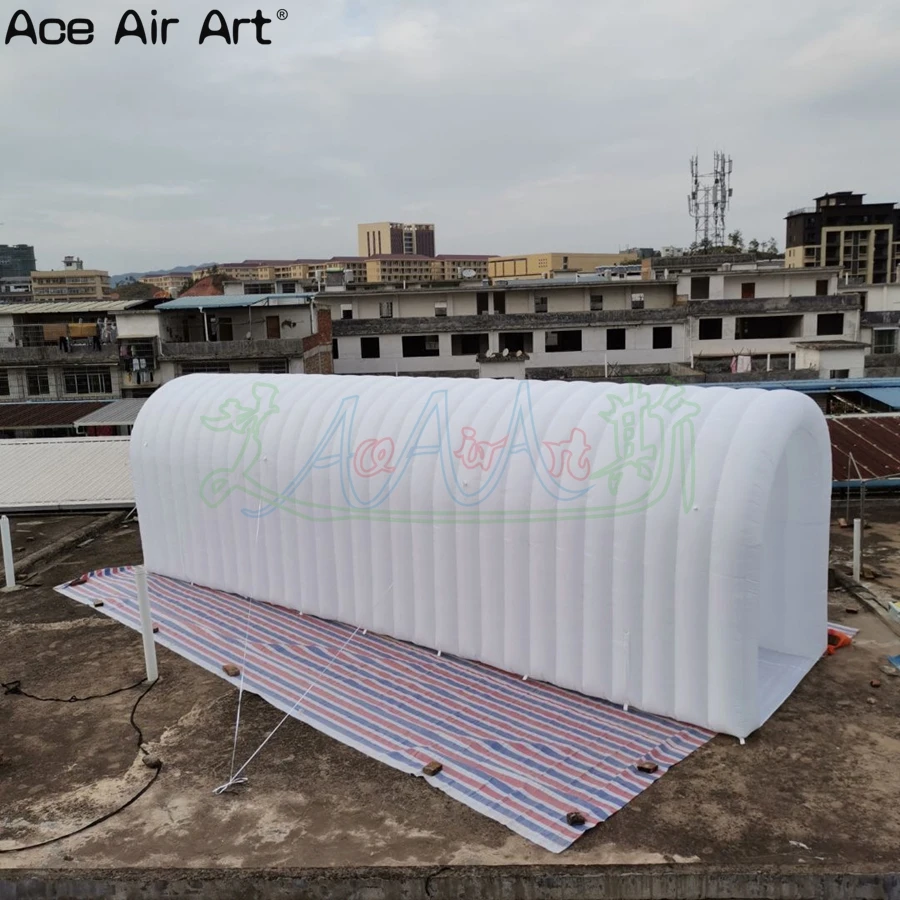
(597, 328)
(71, 283)
(862, 239)
(173, 283)
(16, 260)
(395, 239)
(545, 265)
(72, 351)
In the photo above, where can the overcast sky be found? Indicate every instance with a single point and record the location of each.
(514, 125)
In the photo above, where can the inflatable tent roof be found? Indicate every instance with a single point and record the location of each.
(663, 547)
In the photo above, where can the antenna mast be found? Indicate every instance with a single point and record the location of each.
(709, 200)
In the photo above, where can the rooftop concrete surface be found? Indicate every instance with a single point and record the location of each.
(815, 790)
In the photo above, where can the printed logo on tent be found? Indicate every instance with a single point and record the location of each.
(624, 473)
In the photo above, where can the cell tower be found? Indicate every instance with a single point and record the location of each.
(709, 199)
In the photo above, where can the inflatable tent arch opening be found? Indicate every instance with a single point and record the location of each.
(657, 546)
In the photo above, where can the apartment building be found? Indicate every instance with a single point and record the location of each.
(397, 268)
(275, 334)
(404, 268)
(173, 283)
(62, 350)
(879, 325)
(600, 328)
(71, 283)
(95, 351)
(339, 271)
(546, 265)
(15, 287)
(16, 260)
(863, 239)
(256, 270)
(395, 239)
(451, 267)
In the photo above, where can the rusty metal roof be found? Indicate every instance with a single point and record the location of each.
(54, 414)
(874, 442)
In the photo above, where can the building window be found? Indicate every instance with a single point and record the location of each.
(884, 340)
(386, 309)
(194, 368)
(481, 303)
(87, 381)
(370, 348)
(226, 329)
(662, 337)
(37, 383)
(596, 302)
(421, 345)
(273, 367)
(563, 341)
(748, 290)
(334, 349)
(839, 373)
(4, 383)
(615, 338)
(700, 287)
(710, 330)
(540, 304)
(514, 341)
(822, 287)
(346, 310)
(468, 344)
(830, 323)
(440, 309)
(637, 301)
(500, 303)
(767, 327)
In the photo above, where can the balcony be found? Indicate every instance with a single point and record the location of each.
(44, 355)
(502, 321)
(187, 351)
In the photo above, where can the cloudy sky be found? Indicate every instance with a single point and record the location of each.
(514, 125)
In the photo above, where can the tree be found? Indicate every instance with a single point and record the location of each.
(753, 246)
(771, 246)
(736, 239)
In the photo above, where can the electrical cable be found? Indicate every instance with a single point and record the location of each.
(14, 687)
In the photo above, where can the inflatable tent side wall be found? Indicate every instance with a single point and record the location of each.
(658, 546)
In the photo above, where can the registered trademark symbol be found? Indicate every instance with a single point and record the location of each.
(282, 14)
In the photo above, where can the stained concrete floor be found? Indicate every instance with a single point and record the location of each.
(816, 787)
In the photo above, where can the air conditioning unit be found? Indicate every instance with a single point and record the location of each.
(432, 344)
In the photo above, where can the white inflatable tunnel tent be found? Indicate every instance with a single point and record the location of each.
(657, 546)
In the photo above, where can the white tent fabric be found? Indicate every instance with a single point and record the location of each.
(658, 546)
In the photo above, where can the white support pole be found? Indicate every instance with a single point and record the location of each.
(140, 577)
(8, 565)
(857, 548)
(605, 366)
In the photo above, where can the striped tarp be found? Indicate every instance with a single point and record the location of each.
(522, 753)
